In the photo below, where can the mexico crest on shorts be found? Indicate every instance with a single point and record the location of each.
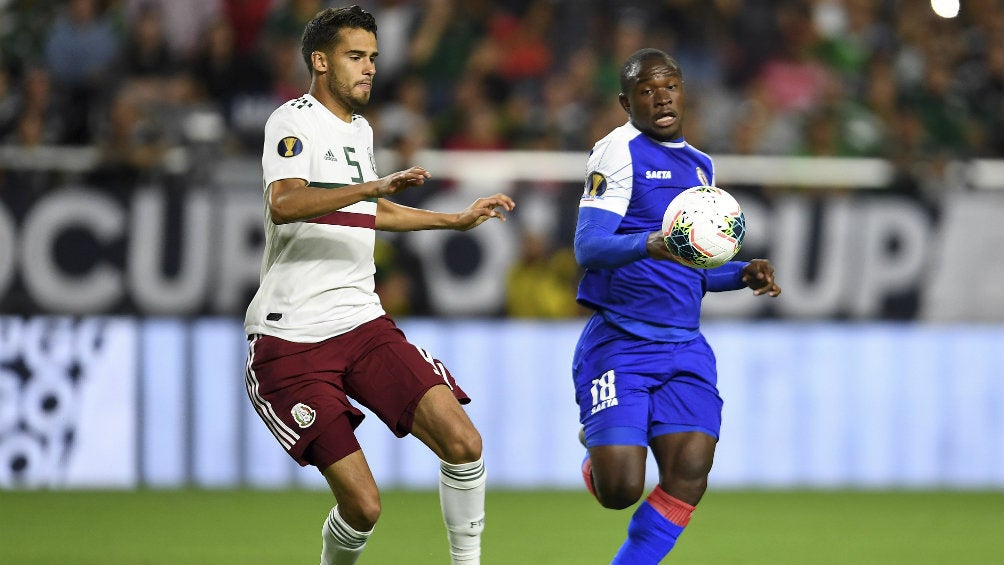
(303, 414)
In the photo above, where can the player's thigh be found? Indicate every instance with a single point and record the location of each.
(393, 378)
(299, 407)
(613, 399)
(684, 456)
(613, 404)
(442, 424)
(689, 400)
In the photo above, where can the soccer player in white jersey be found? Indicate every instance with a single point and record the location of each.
(644, 375)
(317, 332)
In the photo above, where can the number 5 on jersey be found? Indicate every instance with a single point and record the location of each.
(437, 366)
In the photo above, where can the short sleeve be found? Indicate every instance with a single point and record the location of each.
(609, 175)
(286, 152)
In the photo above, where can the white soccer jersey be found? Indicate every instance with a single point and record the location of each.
(317, 274)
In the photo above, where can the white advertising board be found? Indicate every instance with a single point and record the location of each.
(68, 413)
(108, 402)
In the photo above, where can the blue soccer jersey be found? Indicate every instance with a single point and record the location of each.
(642, 367)
(631, 180)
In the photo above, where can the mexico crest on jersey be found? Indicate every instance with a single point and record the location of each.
(303, 414)
(596, 185)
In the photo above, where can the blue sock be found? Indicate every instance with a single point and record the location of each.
(652, 533)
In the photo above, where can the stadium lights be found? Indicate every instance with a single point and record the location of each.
(945, 8)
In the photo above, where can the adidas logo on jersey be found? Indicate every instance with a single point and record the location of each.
(329, 156)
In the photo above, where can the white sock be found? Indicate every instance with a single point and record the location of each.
(462, 496)
(341, 543)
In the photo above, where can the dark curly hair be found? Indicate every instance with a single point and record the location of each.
(321, 32)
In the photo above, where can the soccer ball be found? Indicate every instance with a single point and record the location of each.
(704, 227)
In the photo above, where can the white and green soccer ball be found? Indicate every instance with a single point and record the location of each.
(704, 227)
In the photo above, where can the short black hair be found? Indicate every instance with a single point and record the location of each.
(632, 66)
(321, 33)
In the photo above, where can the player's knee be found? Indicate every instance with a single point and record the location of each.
(688, 490)
(619, 495)
(694, 468)
(617, 500)
(362, 515)
(464, 447)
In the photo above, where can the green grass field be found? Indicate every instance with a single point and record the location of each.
(523, 528)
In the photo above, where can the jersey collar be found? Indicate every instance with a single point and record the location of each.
(674, 144)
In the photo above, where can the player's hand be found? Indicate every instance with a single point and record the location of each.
(758, 274)
(401, 180)
(656, 247)
(483, 209)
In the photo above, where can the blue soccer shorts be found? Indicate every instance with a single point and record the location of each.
(630, 389)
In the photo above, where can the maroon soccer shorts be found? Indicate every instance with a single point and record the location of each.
(302, 390)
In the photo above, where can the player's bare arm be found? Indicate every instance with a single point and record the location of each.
(758, 274)
(395, 217)
(291, 200)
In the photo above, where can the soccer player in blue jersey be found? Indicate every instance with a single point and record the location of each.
(644, 375)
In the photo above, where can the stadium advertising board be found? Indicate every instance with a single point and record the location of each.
(110, 402)
(68, 414)
(159, 250)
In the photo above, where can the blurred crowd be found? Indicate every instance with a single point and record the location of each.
(872, 78)
(884, 78)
